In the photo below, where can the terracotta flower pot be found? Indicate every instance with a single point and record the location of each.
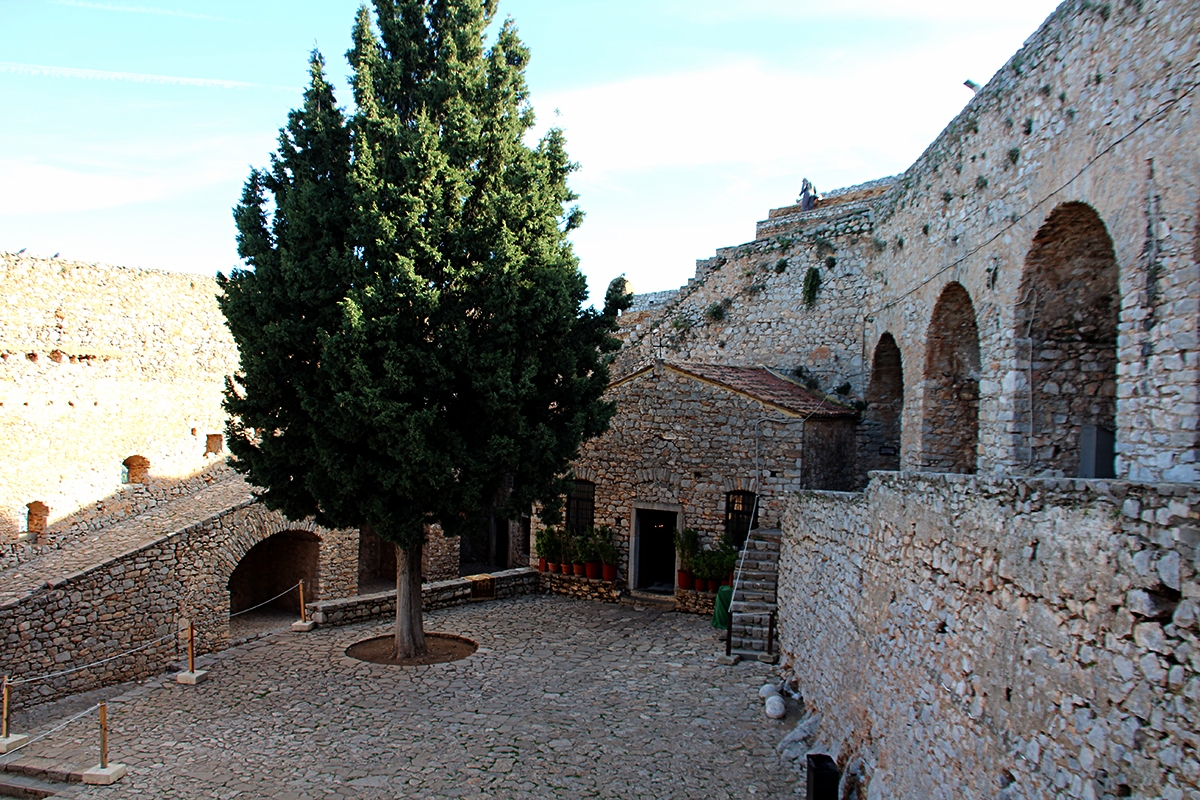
(553, 567)
(714, 584)
(685, 579)
(541, 564)
(580, 569)
(592, 568)
(608, 572)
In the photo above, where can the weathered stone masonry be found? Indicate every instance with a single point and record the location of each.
(981, 637)
(98, 364)
(681, 440)
(1030, 284)
(151, 590)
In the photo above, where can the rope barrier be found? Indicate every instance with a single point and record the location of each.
(55, 729)
(22, 681)
(264, 602)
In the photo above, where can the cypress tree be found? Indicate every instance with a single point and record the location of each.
(413, 344)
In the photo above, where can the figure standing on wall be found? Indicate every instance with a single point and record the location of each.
(808, 196)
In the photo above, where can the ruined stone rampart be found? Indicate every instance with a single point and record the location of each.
(98, 364)
(1035, 270)
(1063, 202)
(747, 305)
(971, 637)
(68, 609)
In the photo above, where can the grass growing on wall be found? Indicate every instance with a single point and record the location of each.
(812, 284)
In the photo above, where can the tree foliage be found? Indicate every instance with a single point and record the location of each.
(410, 323)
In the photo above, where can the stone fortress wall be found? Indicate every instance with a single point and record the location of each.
(1031, 283)
(98, 364)
(746, 305)
(999, 637)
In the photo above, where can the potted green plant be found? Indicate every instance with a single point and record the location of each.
(609, 554)
(554, 545)
(702, 563)
(687, 545)
(566, 551)
(725, 563)
(590, 553)
(542, 543)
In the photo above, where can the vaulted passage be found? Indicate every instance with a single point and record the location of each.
(273, 565)
(950, 424)
(885, 406)
(1067, 319)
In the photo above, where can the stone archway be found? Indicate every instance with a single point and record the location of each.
(950, 421)
(271, 567)
(880, 449)
(1067, 318)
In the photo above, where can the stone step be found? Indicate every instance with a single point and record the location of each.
(753, 611)
(13, 785)
(753, 645)
(755, 587)
(760, 565)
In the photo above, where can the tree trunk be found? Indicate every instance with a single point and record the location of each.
(410, 626)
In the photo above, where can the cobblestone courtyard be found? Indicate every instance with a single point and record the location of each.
(564, 698)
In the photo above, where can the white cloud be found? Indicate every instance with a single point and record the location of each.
(163, 12)
(742, 114)
(34, 187)
(131, 77)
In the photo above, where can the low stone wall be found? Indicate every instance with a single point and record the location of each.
(580, 587)
(87, 610)
(998, 637)
(438, 594)
(691, 602)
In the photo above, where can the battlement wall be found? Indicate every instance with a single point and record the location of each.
(98, 364)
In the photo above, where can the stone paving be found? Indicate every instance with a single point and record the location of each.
(564, 698)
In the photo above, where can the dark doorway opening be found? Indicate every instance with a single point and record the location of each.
(486, 548)
(376, 562)
(741, 515)
(656, 551)
(272, 566)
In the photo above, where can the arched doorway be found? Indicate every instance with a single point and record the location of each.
(1067, 316)
(885, 407)
(271, 567)
(950, 421)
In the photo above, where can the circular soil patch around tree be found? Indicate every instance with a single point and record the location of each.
(443, 647)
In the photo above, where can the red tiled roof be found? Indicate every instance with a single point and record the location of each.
(766, 386)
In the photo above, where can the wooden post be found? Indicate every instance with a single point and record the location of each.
(303, 612)
(7, 699)
(729, 635)
(191, 647)
(103, 735)
(771, 634)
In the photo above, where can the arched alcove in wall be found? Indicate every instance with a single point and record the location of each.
(950, 412)
(272, 566)
(1068, 313)
(885, 406)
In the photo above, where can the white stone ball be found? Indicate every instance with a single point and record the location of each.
(775, 707)
(767, 690)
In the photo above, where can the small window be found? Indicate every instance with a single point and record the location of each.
(741, 515)
(581, 507)
(135, 469)
(214, 443)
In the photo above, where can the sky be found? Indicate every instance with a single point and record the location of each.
(127, 128)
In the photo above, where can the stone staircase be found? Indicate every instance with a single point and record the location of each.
(754, 599)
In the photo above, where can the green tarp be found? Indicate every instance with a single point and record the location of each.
(721, 607)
